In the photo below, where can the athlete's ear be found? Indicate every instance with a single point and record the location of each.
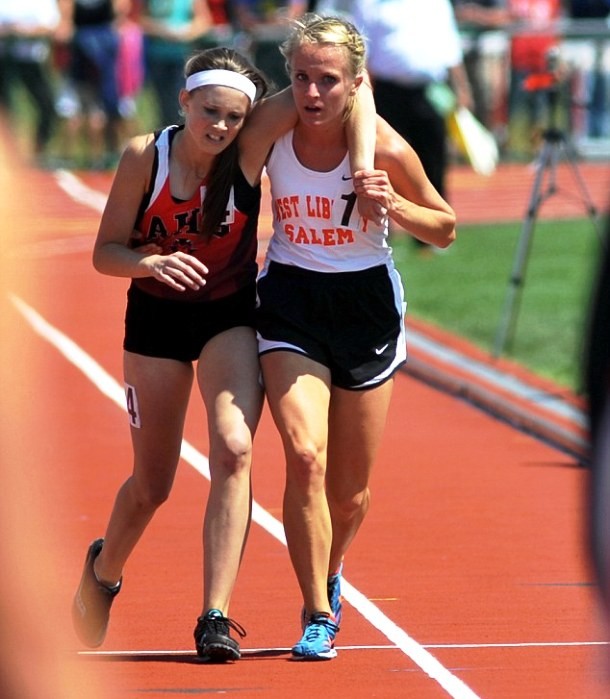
(183, 98)
(356, 85)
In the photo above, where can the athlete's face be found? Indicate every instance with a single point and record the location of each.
(214, 115)
(321, 82)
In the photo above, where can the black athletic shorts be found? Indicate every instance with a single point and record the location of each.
(351, 322)
(157, 327)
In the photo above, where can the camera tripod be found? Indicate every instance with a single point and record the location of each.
(554, 145)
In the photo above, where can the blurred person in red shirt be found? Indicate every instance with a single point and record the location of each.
(533, 45)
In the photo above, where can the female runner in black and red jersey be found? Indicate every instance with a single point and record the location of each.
(181, 221)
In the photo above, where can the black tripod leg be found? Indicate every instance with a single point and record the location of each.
(584, 192)
(506, 326)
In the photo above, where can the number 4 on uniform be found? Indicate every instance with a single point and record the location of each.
(133, 409)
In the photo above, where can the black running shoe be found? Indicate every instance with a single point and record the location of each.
(212, 639)
(92, 602)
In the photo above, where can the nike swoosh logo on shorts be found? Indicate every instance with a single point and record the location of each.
(381, 350)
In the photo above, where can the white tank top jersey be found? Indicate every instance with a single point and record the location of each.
(316, 224)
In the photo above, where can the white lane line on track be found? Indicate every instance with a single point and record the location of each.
(76, 189)
(437, 646)
(113, 390)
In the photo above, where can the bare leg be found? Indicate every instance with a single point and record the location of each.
(229, 378)
(357, 421)
(298, 392)
(163, 388)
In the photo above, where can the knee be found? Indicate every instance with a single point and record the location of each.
(150, 494)
(305, 466)
(350, 505)
(233, 453)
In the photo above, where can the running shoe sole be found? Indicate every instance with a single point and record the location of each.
(92, 602)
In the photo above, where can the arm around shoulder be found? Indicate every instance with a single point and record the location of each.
(269, 119)
(400, 185)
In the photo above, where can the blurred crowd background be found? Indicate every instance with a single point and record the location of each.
(78, 77)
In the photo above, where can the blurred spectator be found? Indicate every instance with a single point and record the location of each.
(486, 58)
(589, 9)
(332, 7)
(533, 48)
(26, 31)
(265, 24)
(171, 28)
(595, 88)
(221, 13)
(90, 95)
(130, 73)
(414, 52)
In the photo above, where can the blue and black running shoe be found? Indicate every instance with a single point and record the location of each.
(318, 641)
(335, 599)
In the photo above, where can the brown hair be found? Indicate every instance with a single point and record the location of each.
(222, 174)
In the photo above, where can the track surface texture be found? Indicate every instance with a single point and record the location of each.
(469, 578)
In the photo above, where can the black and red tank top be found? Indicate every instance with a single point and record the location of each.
(229, 255)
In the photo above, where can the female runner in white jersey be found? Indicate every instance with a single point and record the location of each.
(330, 315)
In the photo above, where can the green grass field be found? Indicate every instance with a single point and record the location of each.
(464, 288)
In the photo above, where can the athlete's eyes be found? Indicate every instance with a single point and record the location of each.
(326, 79)
(234, 118)
(330, 79)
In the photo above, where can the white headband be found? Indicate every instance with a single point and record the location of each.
(226, 78)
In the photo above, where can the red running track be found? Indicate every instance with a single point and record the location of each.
(468, 579)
